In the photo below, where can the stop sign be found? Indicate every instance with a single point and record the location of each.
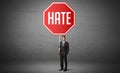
(59, 18)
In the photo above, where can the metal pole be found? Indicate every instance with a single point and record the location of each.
(59, 38)
(59, 44)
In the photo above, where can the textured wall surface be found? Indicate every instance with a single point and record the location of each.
(96, 36)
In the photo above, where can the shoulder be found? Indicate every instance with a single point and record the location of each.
(60, 41)
(67, 42)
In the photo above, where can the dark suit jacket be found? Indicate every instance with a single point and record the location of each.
(64, 49)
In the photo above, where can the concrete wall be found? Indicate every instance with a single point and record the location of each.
(94, 38)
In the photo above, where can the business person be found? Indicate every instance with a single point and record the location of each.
(64, 50)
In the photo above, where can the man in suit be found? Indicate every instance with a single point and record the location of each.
(64, 49)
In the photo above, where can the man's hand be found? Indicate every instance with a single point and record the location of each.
(58, 49)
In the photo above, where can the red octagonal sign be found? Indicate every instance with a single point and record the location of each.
(59, 18)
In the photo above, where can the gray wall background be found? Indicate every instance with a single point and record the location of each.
(95, 36)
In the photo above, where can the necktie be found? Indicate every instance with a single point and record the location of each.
(62, 43)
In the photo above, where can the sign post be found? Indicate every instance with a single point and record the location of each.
(59, 18)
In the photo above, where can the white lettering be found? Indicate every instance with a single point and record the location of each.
(59, 18)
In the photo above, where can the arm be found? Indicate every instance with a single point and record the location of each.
(59, 46)
(67, 47)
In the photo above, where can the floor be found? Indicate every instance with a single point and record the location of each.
(53, 67)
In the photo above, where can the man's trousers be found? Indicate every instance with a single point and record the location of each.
(63, 61)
